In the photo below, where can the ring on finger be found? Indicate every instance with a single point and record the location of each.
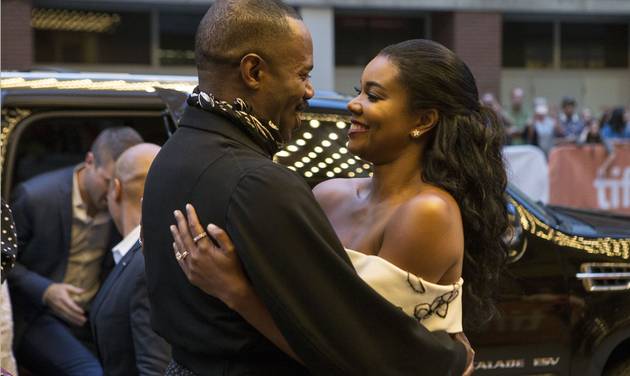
(199, 237)
(181, 255)
(184, 254)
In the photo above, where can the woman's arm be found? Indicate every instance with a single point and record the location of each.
(216, 269)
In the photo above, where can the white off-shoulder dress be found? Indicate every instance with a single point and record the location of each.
(437, 307)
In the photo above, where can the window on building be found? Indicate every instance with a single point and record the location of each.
(90, 37)
(527, 44)
(359, 38)
(590, 45)
(177, 37)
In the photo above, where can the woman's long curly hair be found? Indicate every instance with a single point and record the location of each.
(463, 157)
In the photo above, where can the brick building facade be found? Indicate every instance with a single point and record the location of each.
(17, 39)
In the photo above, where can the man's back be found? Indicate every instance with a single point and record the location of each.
(202, 167)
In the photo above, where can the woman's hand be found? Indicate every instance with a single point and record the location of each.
(470, 352)
(211, 263)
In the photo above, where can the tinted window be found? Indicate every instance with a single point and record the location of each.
(527, 44)
(359, 38)
(588, 45)
(88, 37)
(177, 37)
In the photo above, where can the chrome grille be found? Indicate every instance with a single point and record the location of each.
(605, 276)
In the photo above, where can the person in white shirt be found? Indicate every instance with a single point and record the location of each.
(120, 315)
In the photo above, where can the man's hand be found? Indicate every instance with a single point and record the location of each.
(58, 297)
(470, 356)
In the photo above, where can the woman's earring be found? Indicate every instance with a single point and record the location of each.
(416, 133)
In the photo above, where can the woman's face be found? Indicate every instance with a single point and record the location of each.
(381, 118)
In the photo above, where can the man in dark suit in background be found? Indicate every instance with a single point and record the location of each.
(120, 315)
(253, 62)
(64, 234)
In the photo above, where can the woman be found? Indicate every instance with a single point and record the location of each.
(617, 128)
(433, 212)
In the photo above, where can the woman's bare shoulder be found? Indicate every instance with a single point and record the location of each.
(432, 204)
(426, 234)
(331, 192)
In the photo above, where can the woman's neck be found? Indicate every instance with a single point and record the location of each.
(396, 180)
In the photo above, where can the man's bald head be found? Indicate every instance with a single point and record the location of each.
(132, 167)
(232, 28)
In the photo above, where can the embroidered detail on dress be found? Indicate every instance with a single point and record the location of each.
(416, 286)
(439, 306)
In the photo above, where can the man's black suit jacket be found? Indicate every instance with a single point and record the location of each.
(334, 322)
(120, 319)
(42, 210)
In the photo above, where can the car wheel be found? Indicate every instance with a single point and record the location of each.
(620, 368)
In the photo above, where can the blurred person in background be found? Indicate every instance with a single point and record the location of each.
(490, 101)
(64, 234)
(519, 116)
(120, 316)
(571, 125)
(617, 127)
(543, 129)
(591, 132)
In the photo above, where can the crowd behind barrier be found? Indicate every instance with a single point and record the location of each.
(589, 177)
(562, 156)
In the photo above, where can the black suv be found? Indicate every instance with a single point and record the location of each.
(565, 300)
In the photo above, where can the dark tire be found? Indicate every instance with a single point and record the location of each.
(620, 368)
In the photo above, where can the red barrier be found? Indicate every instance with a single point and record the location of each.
(586, 177)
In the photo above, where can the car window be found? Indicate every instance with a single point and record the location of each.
(47, 141)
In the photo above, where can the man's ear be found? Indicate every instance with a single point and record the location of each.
(252, 67)
(89, 158)
(427, 120)
(117, 187)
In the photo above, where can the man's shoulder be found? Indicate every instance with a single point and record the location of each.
(41, 186)
(50, 177)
